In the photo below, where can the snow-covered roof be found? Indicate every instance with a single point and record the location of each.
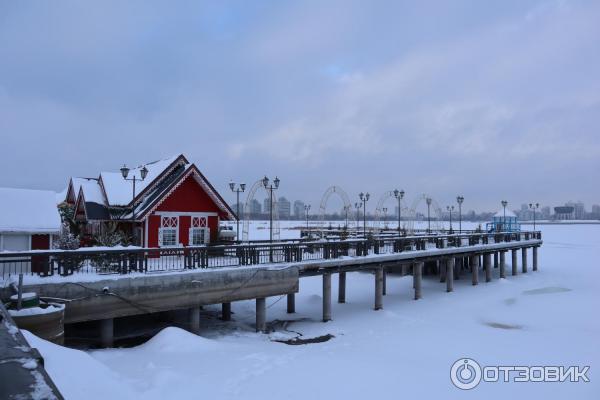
(119, 192)
(28, 211)
(91, 189)
(508, 214)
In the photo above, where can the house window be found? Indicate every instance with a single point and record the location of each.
(169, 231)
(199, 232)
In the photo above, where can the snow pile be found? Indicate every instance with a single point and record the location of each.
(405, 350)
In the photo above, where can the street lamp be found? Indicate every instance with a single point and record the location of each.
(399, 194)
(306, 209)
(143, 173)
(385, 217)
(504, 204)
(364, 197)
(428, 201)
(534, 207)
(459, 200)
(450, 209)
(237, 191)
(357, 206)
(270, 188)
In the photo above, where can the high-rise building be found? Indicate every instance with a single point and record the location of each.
(283, 208)
(596, 211)
(266, 206)
(299, 209)
(545, 212)
(578, 209)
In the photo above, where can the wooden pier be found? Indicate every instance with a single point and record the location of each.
(103, 285)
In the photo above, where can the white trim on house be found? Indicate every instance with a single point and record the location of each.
(162, 228)
(185, 214)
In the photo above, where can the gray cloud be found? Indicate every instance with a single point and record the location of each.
(491, 101)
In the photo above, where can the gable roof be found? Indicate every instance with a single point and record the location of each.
(119, 192)
(509, 213)
(153, 201)
(28, 211)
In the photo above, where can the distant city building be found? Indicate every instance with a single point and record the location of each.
(596, 211)
(578, 209)
(545, 212)
(235, 209)
(266, 206)
(299, 209)
(564, 212)
(284, 208)
(255, 209)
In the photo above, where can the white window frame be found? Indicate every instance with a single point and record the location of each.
(168, 224)
(199, 224)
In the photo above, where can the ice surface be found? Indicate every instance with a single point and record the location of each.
(404, 350)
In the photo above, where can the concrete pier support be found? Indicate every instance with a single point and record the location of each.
(417, 277)
(261, 315)
(342, 287)
(495, 259)
(534, 258)
(503, 264)
(194, 319)
(291, 303)
(226, 311)
(487, 264)
(443, 266)
(384, 282)
(457, 267)
(107, 332)
(379, 279)
(404, 269)
(449, 274)
(326, 297)
(514, 262)
(475, 270)
(524, 259)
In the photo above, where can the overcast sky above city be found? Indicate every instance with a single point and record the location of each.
(491, 100)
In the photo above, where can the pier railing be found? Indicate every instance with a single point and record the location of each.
(124, 260)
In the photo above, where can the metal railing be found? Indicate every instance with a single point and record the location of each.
(148, 260)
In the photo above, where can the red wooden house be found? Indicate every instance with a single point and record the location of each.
(174, 205)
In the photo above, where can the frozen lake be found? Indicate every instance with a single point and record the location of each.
(405, 350)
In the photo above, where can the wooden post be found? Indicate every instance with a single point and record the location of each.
(475, 269)
(535, 258)
(342, 288)
(514, 262)
(450, 274)
(495, 259)
(326, 297)
(487, 263)
(458, 261)
(417, 276)
(524, 259)
(503, 264)
(379, 273)
(384, 282)
(291, 303)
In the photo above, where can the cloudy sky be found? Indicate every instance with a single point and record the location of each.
(491, 100)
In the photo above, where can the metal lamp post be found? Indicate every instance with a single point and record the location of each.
(306, 210)
(270, 188)
(385, 217)
(357, 206)
(399, 194)
(428, 201)
(459, 200)
(237, 191)
(504, 204)
(450, 209)
(143, 173)
(364, 197)
(534, 207)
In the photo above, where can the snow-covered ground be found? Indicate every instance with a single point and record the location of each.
(406, 350)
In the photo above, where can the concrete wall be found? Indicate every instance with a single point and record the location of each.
(163, 292)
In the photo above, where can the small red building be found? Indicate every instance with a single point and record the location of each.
(174, 205)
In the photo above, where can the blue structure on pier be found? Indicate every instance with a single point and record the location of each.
(504, 222)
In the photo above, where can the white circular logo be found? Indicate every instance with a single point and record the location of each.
(465, 373)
